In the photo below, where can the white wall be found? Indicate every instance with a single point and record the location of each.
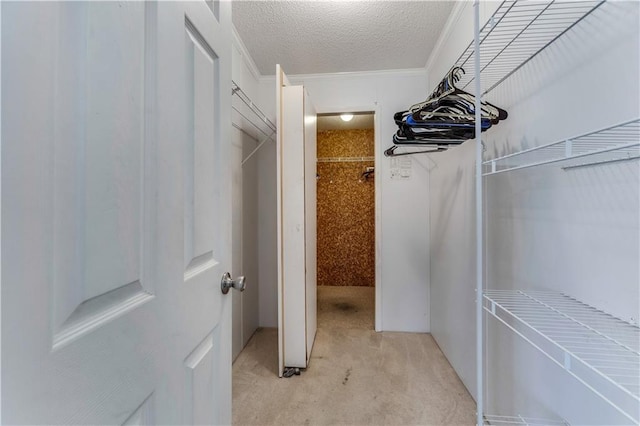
(267, 234)
(245, 208)
(452, 207)
(404, 212)
(575, 231)
(254, 241)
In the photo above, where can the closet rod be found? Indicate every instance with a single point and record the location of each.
(598, 163)
(252, 123)
(236, 90)
(268, 135)
(345, 159)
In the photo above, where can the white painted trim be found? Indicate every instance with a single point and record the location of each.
(378, 219)
(445, 34)
(347, 108)
(1, 282)
(357, 74)
(375, 108)
(244, 52)
(281, 81)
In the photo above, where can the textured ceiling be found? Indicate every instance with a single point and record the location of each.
(308, 37)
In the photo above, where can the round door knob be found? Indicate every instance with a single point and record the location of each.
(227, 283)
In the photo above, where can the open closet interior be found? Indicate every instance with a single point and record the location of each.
(252, 130)
(429, 212)
(346, 218)
(508, 186)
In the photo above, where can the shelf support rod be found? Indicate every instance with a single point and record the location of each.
(479, 221)
(262, 142)
(596, 163)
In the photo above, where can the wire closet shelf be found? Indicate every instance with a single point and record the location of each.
(250, 120)
(521, 421)
(516, 33)
(245, 109)
(601, 351)
(616, 143)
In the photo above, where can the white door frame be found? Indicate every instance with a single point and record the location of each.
(0, 213)
(377, 144)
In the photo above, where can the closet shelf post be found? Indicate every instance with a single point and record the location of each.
(479, 220)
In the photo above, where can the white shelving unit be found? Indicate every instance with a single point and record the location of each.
(515, 34)
(616, 143)
(599, 350)
(521, 421)
(250, 120)
(244, 109)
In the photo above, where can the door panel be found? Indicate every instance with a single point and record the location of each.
(293, 228)
(311, 236)
(202, 259)
(200, 369)
(109, 164)
(144, 414)
(199, 159)
(115, 125)
(296, 150)
(281, 83)
(100, 232)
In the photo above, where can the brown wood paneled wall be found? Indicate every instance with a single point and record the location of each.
(346, 209)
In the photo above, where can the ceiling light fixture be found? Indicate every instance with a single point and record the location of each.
(346, 117)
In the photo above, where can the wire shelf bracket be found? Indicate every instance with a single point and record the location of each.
(599, 350)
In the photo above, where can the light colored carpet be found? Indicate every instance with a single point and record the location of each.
(346, 307)
(355, 377)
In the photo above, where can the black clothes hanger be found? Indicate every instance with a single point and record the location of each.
(367, 173)
(446, 117)
(448, 93)
(391, 152)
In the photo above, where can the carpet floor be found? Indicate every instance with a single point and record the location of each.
(355, 376)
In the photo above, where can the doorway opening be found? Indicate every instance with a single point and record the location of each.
(346, 256)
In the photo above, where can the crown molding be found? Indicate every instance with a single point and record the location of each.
(453, 19)
(354, 74)
(246, 56)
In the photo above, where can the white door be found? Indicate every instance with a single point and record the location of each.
(296, 157)
(310, 213)
(115, 231)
